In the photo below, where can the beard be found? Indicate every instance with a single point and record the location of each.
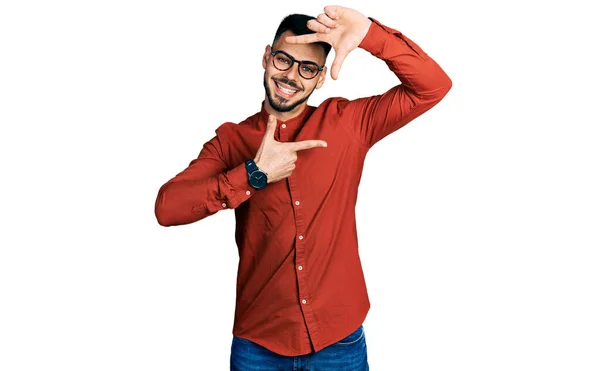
(281, 104)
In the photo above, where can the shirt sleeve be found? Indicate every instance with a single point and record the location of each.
(205, 187)
(423, 84)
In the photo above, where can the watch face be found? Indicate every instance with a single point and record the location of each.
(258, 179)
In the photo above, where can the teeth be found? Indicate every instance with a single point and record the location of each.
(287, 91)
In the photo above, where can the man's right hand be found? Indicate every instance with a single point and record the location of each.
(278, 159)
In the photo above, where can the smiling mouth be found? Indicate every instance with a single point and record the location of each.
(284, 90)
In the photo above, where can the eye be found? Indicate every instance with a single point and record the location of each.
(308, 69)
(283, 60)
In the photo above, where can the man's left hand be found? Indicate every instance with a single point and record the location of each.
(342, 28)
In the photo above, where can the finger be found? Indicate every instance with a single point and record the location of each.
(317, 26)
(337, 64)
(271, 125)
(325, 20)
(305, 39)
(307, 144)
(333, 11)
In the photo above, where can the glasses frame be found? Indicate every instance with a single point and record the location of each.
(294, 60)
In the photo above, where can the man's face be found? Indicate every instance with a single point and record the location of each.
(286, 90)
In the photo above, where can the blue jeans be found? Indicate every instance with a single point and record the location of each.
(349, 354)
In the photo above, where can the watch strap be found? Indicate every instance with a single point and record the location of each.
(250, 166)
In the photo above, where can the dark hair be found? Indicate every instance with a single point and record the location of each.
(296, 23)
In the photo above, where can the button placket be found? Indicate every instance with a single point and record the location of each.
(304, 298)
(301, 272)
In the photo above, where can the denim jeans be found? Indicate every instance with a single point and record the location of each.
(349, 354)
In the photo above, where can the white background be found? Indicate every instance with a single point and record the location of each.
(479, 222)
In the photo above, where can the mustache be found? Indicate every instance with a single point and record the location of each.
(289, 82)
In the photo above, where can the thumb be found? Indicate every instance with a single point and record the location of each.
(271, 125)
(337, 64)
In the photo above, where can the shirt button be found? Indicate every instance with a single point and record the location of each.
(224, 204)
(303, 301)
(283, 126)
(301, 237)
(248, 193)
(299, 267)
(297, 203)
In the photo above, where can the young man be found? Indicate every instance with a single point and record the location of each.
(291, 172)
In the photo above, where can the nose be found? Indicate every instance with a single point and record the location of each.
(292, 72)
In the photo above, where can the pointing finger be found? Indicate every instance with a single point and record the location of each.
(306, 39)
(307, 144)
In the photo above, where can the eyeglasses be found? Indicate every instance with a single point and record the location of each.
(283, 62)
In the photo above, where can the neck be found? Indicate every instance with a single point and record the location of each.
(284, 116)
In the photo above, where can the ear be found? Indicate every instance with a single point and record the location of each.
(266, 56)
(321, 78)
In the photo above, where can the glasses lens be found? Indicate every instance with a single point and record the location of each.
(281, 61)
(308, 70)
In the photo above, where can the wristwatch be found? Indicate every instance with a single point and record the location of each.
(256, 177)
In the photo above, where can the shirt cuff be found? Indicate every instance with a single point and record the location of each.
(239, 190)
(376, 36)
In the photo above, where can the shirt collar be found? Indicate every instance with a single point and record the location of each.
(292, 123)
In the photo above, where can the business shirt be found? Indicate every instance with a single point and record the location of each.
(300, 284)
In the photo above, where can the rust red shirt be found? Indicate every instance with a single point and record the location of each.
(300, 285)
